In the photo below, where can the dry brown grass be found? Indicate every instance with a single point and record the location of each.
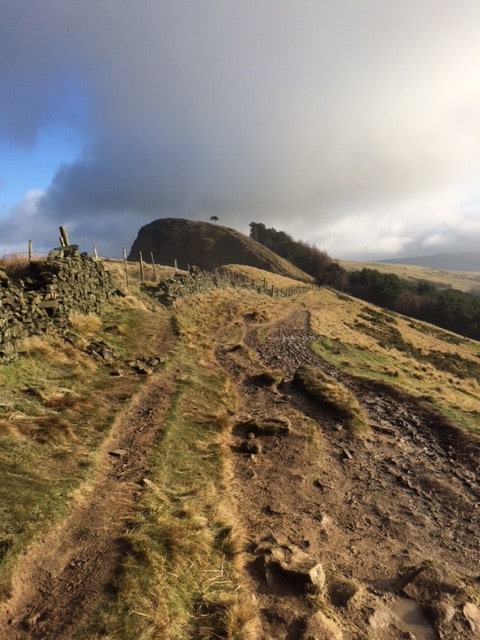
(41, 428)
(117, 270)
(15, 265)
(262, 277)
(56, 407)
(330, 393)
(86, 324)
(355, 336)
(183, 574)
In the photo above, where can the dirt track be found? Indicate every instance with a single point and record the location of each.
(373, 510)
(392, 516)
(63, 578)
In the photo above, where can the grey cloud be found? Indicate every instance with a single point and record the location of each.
(270, 111)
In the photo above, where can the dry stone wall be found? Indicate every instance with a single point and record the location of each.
(183, 284)
(66, 282)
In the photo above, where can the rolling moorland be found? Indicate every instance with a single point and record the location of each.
(240, 465)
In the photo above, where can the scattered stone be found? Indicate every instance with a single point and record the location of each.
(145, 365)
(320, 484)
(274, 510)
(427, 582)
(267, 379)
(276, 426)
(235, 347)
(118, 453)
(115, 371)
(101, 350)
(326, 524)
(293, 566)
(441, 612)
(472, 614)
(347, 455)
(381, 618)
(107, 354)
(143, 369)
(251, 446)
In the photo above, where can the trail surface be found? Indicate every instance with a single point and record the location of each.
(64, 577)
(387, 521)
(392, 517)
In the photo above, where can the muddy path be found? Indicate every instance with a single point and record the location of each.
(65, 576)
(391, 517)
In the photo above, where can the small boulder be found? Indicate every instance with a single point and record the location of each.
(472, 614)
(427, 582)
(251, 446)
(319, 627)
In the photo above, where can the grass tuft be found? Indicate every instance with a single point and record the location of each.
(330, 393)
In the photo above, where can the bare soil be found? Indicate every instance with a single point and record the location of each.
(64, 576)
(387, 520)
(391, 515)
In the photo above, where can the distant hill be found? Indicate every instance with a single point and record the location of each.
(468, 281)
(207, 246)
(449, 261)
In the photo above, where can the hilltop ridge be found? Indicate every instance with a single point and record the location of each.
(448, 261)
(208, 246)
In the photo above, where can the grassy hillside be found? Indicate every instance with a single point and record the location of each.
(462, 280)
(207, 246)
(183, 537)
(450, 261)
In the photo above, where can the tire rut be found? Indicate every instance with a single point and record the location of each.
(65, 576)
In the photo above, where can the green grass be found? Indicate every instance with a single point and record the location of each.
(329, 393)
(181, 573)
(57, 406)
(356, 360)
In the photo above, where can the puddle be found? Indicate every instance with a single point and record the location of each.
(411, 618)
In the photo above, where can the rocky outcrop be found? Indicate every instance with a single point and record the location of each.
(187, 242)
(67, 281)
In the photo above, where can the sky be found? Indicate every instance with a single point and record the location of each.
(353, 125)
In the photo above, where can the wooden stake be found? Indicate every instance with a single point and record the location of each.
(64, 234)
(142, 278)
(153, 266)
(125, 264)
(95, 252)
(29, 252)
(176, 265)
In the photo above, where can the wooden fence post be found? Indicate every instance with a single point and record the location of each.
(125, 264)
(142, 275)
(29, 252)
(64, 234)
(153, 266)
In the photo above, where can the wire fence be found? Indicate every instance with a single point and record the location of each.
(198, 280)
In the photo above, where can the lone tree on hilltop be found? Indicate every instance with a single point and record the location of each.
(214, 218)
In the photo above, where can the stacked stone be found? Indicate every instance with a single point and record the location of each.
(13, 312)
(72, 283)
(52, 290)
(181, 285)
